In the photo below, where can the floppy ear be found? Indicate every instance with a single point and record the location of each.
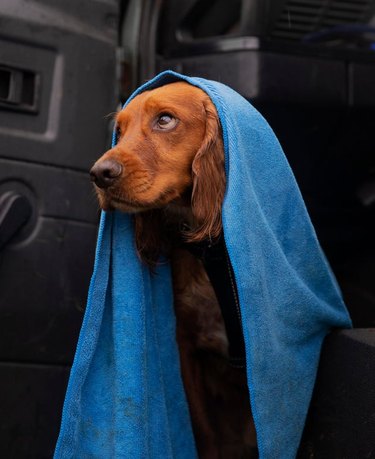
(208, 180)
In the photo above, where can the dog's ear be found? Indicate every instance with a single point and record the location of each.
(208, 180)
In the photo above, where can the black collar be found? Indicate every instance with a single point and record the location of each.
(219, 269)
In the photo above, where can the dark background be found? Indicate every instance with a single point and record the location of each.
(307, 65)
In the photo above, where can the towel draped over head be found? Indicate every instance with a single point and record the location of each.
(125, 397)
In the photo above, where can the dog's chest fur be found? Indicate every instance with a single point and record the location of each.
(197, 310)
(217, 393)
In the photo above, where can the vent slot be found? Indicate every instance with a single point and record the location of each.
(298, 17)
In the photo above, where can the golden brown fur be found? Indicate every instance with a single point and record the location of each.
(172, 178)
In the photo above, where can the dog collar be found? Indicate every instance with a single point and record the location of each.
(215, 259)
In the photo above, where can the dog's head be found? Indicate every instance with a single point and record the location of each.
(169, 150)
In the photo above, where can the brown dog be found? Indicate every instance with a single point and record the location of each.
(168, 170)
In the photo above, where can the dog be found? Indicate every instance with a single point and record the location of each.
(167, 169)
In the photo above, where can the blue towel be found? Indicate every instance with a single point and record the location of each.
(125, 397)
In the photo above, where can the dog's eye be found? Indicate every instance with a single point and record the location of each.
(165, 121)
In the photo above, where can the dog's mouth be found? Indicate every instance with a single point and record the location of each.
(125, 205)
(110, 201)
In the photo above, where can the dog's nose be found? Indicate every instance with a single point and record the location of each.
(105, 172)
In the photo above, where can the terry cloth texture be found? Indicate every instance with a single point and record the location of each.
(125, 397)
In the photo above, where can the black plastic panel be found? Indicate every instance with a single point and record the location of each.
(43, 296)
(70, 46)
(263, 76)
(57, 84)
(55, 192)
(331, 24)
(31, 397)
(341, 420)
(67, 48)
(362, 78)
